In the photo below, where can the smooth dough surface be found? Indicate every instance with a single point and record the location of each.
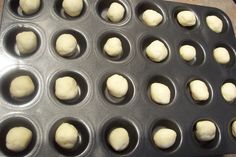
(205, 130)
(186, 18)
(18, 139)
(66, 136)
(29, 6)
(214, 23)
(113, 47)
(66, 45)
(228, 91)
(234, 129)
(119, 139)
(21, 86)
(165, 138)
(116, 12)
(187, 52)
(117, 85)
(157, 51)
(73, 7)
(152, 18)
(66, 88)
(26, 42)
(199, 90)
(160, 93)
(221, 55)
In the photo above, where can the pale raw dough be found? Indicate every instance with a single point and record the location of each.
(205, 130)
(186, 18)
(66, 136)
(199, 90)
(160, 93)
(117, 85)
(214, 23)
(66, 45)
(234, 129)
(30, 6)
(26, 42)
(221, 55)
(152, 18)
(119, 139)
(164, 138)
(66, 88)
(21, 86)
(116, 12)
(228, 91)
(73, 7)
(157, 51)
(187, 52)
(18, 139)
(113, 47)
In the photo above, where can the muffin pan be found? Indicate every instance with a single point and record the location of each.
(96, 113)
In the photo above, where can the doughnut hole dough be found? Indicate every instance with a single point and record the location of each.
(66, 136)
(164, 138)
(228, 91)
(199, 90)
(18, 139)
(113, 47)
(117, 85)
(187, 52)
(66, 88)
(186, 18)
(160, 93)
(119, 139)
(234, 128)
(21, 86)
(26, 42)
(66, 45)
(205, 131)
(152, 18)
(214, 23)
(221, 55)
(29, 6)
(157, 51)
(72, 7)
(116, 12)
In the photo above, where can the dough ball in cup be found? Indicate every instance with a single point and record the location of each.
(66, 45)
(73, 8)
(116, 12)
(157, 51)
(29, 7)
(187, 18)
(151, 18)
(113, 47)
(199, 90)
(187, 53)
(233, 129)
(160, 93)
(164, 138)
(228, 91)
(221, 55)
(214, 23)
(205, 131)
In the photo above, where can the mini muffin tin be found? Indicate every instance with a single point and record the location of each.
(95, 113)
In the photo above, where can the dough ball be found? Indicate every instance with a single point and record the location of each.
(228, 91)
(221, 55)
(18, 139)
(234, 129)
(29, 6)
(165, 138)
(152, 18)
(160, 93)
(119, 139)
(157, 51)
(116, 12)
(205, 130)
(187, 52)
(21, 86)
(66, 88)
(187, 18)
(26, 42)
(199, 90)
(72, 7)
(117, 85)
(214, 23)
(66, 136)
(66, 45)
(113, 47)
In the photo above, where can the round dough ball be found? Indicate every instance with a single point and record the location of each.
(66, 136)
(152, 18)
(116, 12)
(221, 55)
(66, 88)
(160, 93)
(205, 130)
(199, 90)
(30, 6)
(18, 139)
(117, 85)
(187, 52)
(66, 45)
(157, 51)
(72, 7)
(119, 139)
(187, 18)
(165, 138)
(234, 129)
(26, 42)
(228, 91)
(214, 23)
(113, 47)
(21, 86)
